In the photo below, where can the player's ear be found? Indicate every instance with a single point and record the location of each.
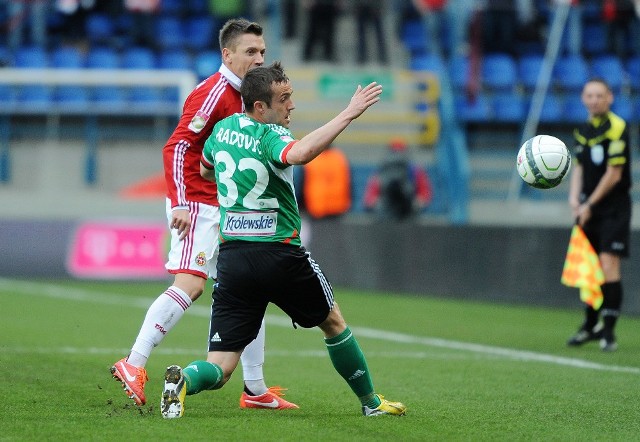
(226, 55)
(609, 98)
(260, 106)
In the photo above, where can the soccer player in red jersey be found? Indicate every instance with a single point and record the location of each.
(193, 216)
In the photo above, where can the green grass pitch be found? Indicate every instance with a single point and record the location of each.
(466, 370)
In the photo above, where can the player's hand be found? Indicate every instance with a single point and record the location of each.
(363, 98)
(584, 213)
(181, 221)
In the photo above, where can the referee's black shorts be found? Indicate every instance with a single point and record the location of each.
(609, 227)
(252, 274)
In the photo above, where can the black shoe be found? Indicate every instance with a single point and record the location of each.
(583, 336)
(608, 342)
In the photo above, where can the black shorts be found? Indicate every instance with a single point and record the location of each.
(252, 274)
(609, 228)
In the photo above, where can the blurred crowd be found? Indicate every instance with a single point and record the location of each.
(451, 27)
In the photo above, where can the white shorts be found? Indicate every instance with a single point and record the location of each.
(197, 254)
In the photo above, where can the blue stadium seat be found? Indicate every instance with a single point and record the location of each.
(138, 58)
(473, 110)
(141, 58)
(633, 69)
(427, 62)
(573, 110)
(67, 57)
(169, 32)
(6, 59)
(32, 96)
(103, 58)
(7, 95)
(499, 72)
(207, 63)
(145, 95)
(31, 57)
(623, 107)
(529, 67)
(99, 28)
(71, 97)
(35, 97)
(172, 6)
(510, 108)
(552, 109)
(199, 6)
(636, 112)
(570, 73)
(109, 97)
(414, 37)
(610, 68)
(175, 59)
(201, 33)
(594, 39)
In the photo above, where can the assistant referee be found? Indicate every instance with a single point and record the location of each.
(600, 202)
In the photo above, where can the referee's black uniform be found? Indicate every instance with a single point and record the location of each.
(601, 142)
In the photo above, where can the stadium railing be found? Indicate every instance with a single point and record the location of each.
(182, 80)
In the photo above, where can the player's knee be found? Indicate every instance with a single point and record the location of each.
(192, 285)
(334, 324)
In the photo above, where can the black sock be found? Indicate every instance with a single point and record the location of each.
(611, 303)
(590, 318)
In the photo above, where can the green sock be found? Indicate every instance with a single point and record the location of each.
(350, 363)
(202, 375)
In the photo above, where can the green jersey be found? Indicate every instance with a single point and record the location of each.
(255, 184)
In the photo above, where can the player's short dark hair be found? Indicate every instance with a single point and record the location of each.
(600, 80)
(256, 85)
(236, 27)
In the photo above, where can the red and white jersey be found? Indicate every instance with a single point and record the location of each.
(213, 99)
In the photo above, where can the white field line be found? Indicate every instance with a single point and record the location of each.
(66, 293)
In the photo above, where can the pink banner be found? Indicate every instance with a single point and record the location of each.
(118, 250)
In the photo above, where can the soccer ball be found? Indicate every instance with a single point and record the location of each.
(543, 161)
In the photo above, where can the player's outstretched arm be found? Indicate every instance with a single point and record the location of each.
(314, 143)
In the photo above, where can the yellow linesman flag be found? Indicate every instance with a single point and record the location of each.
(582, 269)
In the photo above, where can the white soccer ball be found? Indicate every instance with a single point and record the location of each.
(543, 161)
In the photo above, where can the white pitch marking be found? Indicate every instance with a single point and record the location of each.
(69, 293)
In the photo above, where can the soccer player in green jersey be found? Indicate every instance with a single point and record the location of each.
(261, 260)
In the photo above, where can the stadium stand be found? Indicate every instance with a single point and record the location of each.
(201, 33)
(509, 108)
(528, 67)
(68, 57)
(31, 57)
(594, 41)
(414, 37)
(427, 62)
(552, 108)
(100, 29)
(175, 59)
(474, 109)
(610, 68)
(169, 32)
(570, 73)
(499, 72)
(138, 58)
(103, 58)
(633, 69)
(574, 111)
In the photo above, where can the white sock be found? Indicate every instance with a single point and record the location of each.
(252, 359)
(163, 314)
